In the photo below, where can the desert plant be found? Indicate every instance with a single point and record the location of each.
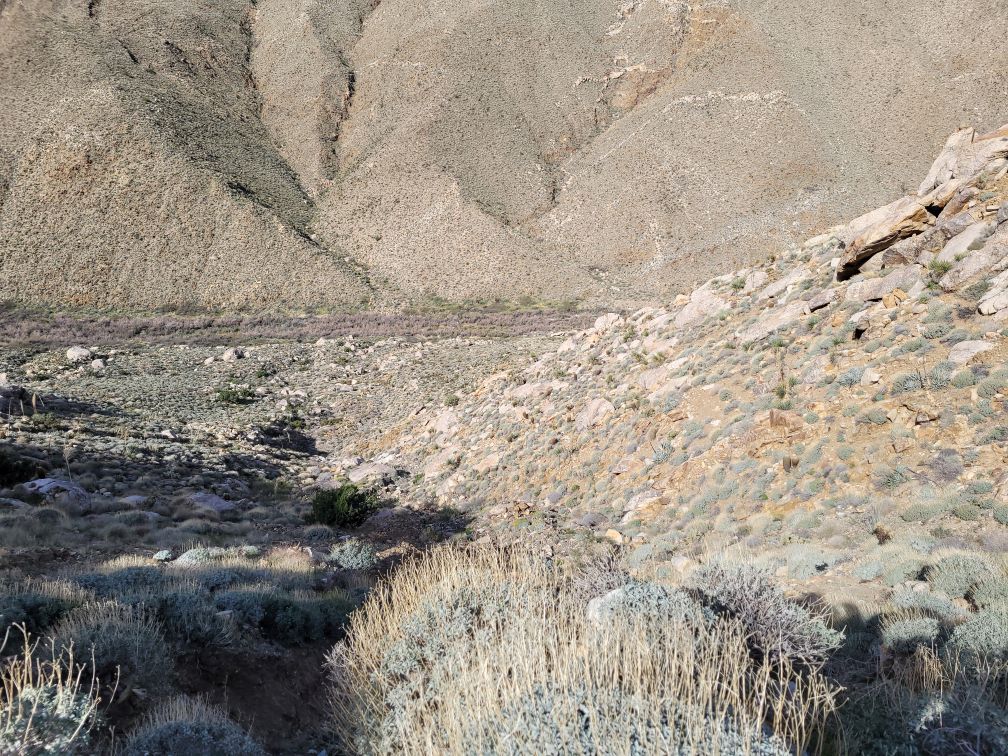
(353, 554)
(125, 648)
(183, 726)
(48, 704)
(486, 651)
(345, 507)
(955, 575)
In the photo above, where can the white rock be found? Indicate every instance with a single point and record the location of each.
(964, 351)
(593, 414)
(970, 239)
(78, 354)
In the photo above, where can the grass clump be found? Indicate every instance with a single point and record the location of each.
(343, 507)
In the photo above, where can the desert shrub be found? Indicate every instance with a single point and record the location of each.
(964, 378)
(990, 591)
(886, 719)
(343, 507)
(648, 600)
(125, 647)
(49, 705)
(940, 376)
(485, 651)
(904, 632)
(850, 377)
(955, 575)
(186, 726)
(922, 511)
(353, 554)
(928, 604)
(290, 618)
(936, 330)
(1001, 515)
(36, 605)
(907, 382)
(982, 638)
(191, 617)
(778, 627)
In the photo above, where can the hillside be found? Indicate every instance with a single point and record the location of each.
(767, 516)
(302, 155)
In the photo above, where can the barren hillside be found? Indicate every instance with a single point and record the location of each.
(301, 154)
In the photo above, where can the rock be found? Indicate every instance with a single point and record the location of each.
(446, 423)
(59, 491)
(870, 376)
(785, 419)
(971, 265)
(780, 286)
(954, 225)
(201, 555)
(996, 298)
(754, 280)
(12, 503)
(606, 322)
(971, 239)
(75, 355)
(873, 232)
(614, 536)
(823, 298)
(950, 161)
(875, 288)
(371, 470)
(914, 249)
(211, 502)
(963, 352)
(163, 556)
(98, 365)
(1002, 215)
(773, 320)
(437, 463)
(593, 414)
(488, 463)
(702, 303)
(233, 354)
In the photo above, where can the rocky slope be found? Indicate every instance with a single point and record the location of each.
(315, 154)
(840, 409)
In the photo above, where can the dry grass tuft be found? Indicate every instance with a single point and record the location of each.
(490, 651)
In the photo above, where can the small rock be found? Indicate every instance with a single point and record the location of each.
(163, 556)
(614, 536)
(212, 502)
(75, 355)
(233, 354)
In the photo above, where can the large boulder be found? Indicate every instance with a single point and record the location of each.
(873, 232)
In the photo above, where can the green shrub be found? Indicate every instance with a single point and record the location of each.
(964, 379)
(235, 394)
(343, 507)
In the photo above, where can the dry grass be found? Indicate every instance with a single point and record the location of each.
(540, 676)
(49, 704)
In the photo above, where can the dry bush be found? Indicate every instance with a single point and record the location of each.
(190, 725)
(488, 651)
(48, 705)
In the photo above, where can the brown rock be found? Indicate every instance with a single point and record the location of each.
(875, 231)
